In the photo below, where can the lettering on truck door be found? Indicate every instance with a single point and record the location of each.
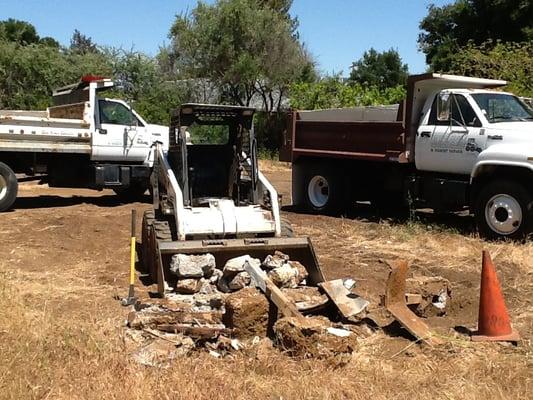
(121, 135)
(451, 141)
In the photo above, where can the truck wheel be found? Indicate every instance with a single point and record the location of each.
(146, 250)
(8, 187)
(286, 228)
(323, 190)
(504, 209)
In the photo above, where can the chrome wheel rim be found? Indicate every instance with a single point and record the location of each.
(503, 214)
(3, 188)
(318, 191)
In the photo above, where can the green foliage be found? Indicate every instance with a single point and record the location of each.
(332, 92)
(247, 48)
(509, 61)
(20, 32)
(82, 44)
(23, 33)
(29, 73)
(208, 134)
(448, 28)
(382, 70)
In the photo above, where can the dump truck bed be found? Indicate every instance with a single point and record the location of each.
(367, 133)
(59, 129)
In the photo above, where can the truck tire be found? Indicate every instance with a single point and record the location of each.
(323, 189)
(504, 210)
(8, 187)
(286, 228)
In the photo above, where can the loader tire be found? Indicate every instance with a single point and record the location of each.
(286, 228)
(8, 187)
(146, 249)
(160, 231)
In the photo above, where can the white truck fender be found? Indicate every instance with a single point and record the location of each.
(509, 155)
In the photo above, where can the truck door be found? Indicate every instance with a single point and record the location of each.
(452, 137)
(120, 136)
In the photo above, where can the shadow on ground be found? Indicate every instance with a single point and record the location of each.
(460, 222)
(24, 203)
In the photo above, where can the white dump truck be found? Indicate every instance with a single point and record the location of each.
(455, 143)
(82, 141)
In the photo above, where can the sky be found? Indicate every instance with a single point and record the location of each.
(336, 32)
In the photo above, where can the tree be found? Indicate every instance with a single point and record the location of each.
(333, 92)
(383, 70)
(247, 48)
(82, 44)
(20, 32)
(448, 28)
(512, 62)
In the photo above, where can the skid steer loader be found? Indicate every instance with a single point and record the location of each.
(210, 197)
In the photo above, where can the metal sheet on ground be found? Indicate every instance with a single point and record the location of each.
(396, 305)
(347, 303)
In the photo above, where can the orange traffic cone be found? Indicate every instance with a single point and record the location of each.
(493, 322)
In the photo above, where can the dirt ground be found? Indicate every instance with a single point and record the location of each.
(64, 258)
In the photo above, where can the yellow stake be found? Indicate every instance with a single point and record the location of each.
(131, 293)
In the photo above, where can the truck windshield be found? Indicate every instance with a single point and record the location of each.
(499, 107)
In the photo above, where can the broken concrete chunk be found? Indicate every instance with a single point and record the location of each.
(247, 313)
(236, 265)
(435, 293)
(240, 281)
(206, 287)
(215, 276)
(306, 298)
(312, 339)
(285, 276)
(338, 332)
(154, 316)
(302, 271)
(161, 352)
(192, 267)
(188, 286)
(275, 261)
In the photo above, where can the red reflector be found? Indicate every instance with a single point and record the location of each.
(91, 78)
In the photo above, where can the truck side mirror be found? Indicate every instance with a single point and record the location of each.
(444, 106)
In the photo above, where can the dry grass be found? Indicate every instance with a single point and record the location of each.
(61, 329)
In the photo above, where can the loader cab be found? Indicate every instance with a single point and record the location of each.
(213, 153)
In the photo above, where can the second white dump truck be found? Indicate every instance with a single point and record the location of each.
(455, 143)
(82, 141)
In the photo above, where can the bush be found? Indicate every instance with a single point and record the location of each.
(512, 62)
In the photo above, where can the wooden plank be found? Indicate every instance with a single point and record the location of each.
(201, 332)
(273, 293)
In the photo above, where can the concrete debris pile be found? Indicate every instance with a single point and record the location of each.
(222, 310)
(230, 309)
(428, 296)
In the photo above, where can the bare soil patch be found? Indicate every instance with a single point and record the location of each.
(64, 257)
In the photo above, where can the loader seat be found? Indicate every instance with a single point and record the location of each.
(209, 167)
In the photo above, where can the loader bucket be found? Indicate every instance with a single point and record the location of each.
(298, 249)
